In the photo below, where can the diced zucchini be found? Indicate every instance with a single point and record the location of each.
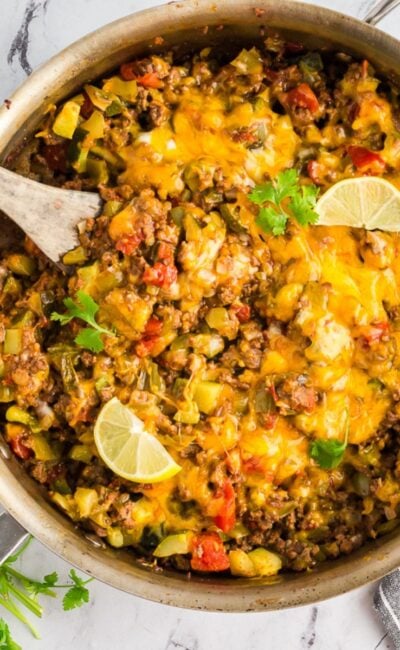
(248, 62)
(42, 449)
(208, 344)
(12, 341)
(115, 537)
(76, 256)
(241, 564)
(265, 562)
(81, 453)
(188, 415)
(7, 394)
(178, 544)
(97, 170)
(126, 89)
(86, 499)
(206, 396)
(94, 126)
(111, 208)
(21, 264)
(67, 120)
(16, 414)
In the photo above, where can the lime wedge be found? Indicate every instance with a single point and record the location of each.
(127, 449)
(365, 202)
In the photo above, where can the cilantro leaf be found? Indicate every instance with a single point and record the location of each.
(329, 453)
(90, 338)
(303, 205)
(263, 193)
(272, 221)
(286, 184)
(282, 198)
(6, 641)
(78, 594)
(84, 308)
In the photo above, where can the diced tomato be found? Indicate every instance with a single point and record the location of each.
(20, 449)
(165, 251)
(56, 156)
(242, 312)
(160, 275)
(146, 346)
(226, 518)
(153, 327)
(303, 97)
(128, 72)
(128, 244)
(314, 170)
(150, 80)
(374, 333)
(208, 553)
(269, 420)
(87, 107)
(292, 47)
(366, 160)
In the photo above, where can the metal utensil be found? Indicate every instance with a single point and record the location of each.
(48, 215)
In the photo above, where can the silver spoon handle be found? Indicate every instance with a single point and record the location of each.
(11, 536)
(380, 10)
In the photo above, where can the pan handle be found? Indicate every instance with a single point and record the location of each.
(11, 535)
(381, 9)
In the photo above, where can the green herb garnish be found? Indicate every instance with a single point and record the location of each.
(86, 309)
(283, 198)
(329, 453)
(18, 588)
(6, 640)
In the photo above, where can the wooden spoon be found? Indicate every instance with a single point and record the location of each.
(48, 215)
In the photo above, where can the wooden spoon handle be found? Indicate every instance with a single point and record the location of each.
(48, 215)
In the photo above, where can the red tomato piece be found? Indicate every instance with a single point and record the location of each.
(303, 97)
(145, 347)
(226, 518)
(292, 47)
(366, 160)
(128, 71)
(314, 170)
(150, 80)
(20, 449)
(160, 275)
(374, 333)
(242, 312)
(165, 251)
(153, 327)
(208, 553)
(87, 107)
(128, 244)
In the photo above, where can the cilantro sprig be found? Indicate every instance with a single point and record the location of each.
(16, 589)
(6, 640)
(284, 198)
(329, 453)
(85, 308)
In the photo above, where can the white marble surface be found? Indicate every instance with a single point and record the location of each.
(30, 32)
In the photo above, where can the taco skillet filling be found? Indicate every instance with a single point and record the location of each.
(266, 362)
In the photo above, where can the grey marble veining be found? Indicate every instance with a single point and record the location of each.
(30, 32)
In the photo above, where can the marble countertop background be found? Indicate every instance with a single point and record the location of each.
(30, 32)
